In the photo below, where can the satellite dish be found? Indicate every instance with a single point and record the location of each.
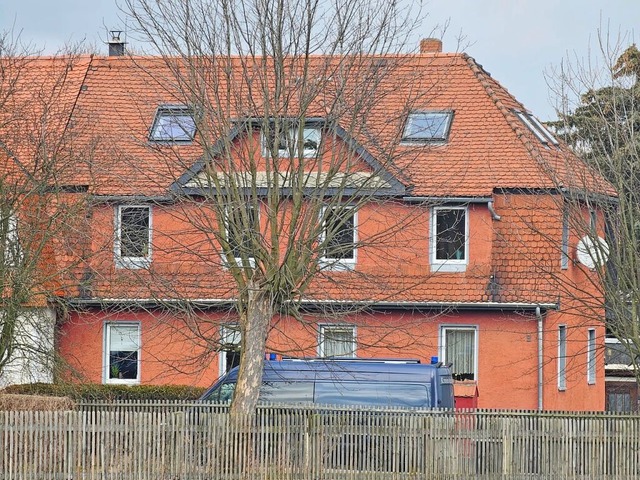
(592, 252)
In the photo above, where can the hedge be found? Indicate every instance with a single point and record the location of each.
(99, 392)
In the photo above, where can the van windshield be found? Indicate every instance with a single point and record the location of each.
(222, 394)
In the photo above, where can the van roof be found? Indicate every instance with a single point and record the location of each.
(340, 369)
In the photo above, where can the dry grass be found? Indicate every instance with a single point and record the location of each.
(10, 401)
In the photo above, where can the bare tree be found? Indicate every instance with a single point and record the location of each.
(286, 100)
(35, 205)
(600, 118)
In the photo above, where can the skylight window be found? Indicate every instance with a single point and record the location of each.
(173, 124)
(427, 126)
(539, 130)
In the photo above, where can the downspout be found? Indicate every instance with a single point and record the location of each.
(492, 211)
(540, 360)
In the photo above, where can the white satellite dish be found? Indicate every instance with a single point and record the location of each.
(592, 252)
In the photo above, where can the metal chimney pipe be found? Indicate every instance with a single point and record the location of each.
(116, 45)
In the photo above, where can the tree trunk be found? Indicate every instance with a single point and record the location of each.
(254, 327)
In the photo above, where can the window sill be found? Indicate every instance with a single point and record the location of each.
(337, 265)
(448, 267)
(114, 381)
(238, 263)
(132, 263)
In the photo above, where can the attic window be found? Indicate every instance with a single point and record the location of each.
(173, 124)
(539, 130)
(427, 126)
(285, 144)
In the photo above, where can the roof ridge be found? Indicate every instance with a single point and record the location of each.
(515, 125)
(72, 110)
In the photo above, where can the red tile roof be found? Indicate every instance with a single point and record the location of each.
(113, 100)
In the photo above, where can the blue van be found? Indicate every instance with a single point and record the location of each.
(342, 381)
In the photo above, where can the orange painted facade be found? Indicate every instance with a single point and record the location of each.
(528, 314)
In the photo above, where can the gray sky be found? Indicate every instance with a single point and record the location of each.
(515, 40)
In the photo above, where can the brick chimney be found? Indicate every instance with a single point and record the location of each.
(430, 45)
(116, 45)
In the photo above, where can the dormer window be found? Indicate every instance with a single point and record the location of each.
(432, 126)
(540, 131)
(286, 143)
(173, 123)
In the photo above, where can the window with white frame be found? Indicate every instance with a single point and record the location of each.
(133, 236)
(121, 353)
(229, 347)
(449, 227)
(429, 126)
(241, 228)
(564, 251)
(339, 236)
(459, 348)
(337, 341)
(173, 123)
(540, 131)
(292, 142)
(10, 248)
(562, 357)
(591, 356)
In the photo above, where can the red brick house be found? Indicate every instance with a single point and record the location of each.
(480, 269)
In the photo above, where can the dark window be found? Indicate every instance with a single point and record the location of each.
(450, 236)
(427, 126)
(287, 392)
(124, 345)
(134, 232)
(378, 393)
(339, 233)
(619, 402)
(242, 228)
(173, 124)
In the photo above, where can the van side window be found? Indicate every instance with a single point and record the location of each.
(286, 392)
(379, 393)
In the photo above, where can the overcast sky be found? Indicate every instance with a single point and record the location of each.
(515, 40)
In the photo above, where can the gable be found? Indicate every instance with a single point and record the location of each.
(341, 166)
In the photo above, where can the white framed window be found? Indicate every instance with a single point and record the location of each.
(562, 357)
(540, 131)
(242, 227)
(459, 347)
(173, 123)
(427, 126)
(10, 248)
(287, 141)
(337, 341)
(449, 239)
(230, 343)
(133, 236)
(121, 360)
(564, 251)
(339, 237)
(593, 222)
(591, 356)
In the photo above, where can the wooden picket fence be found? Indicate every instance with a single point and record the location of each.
(184, 441)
